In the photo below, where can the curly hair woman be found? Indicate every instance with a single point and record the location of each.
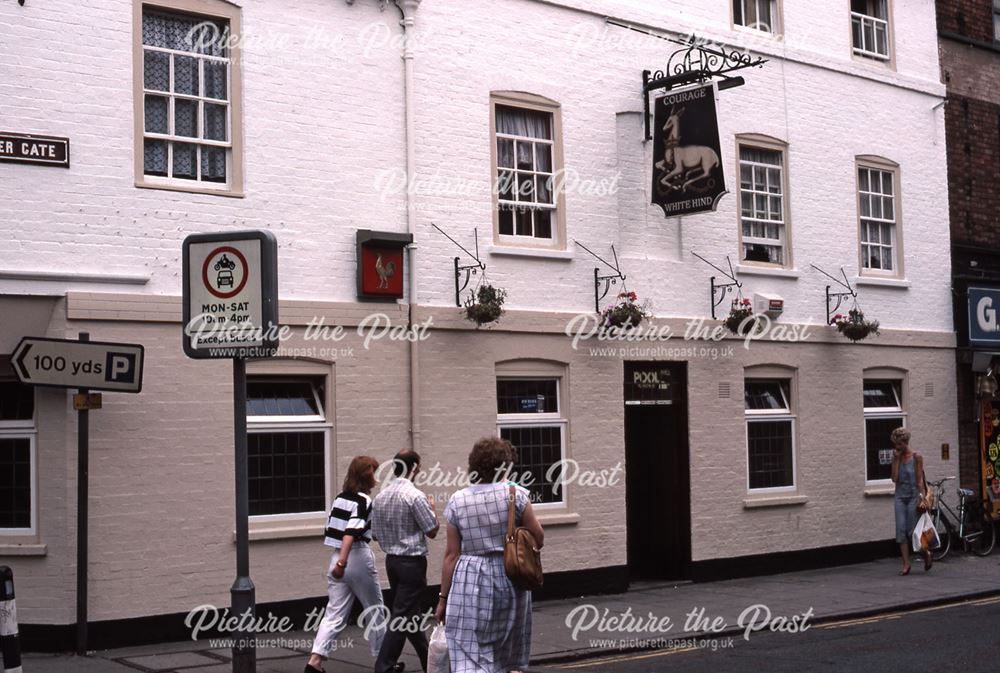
(486, 618)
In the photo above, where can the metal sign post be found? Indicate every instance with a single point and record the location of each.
(231, 311)
(82, 499)
(85, 365)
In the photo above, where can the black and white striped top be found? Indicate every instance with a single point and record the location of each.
(350, 514)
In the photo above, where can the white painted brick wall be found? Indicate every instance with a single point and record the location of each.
(324, 130)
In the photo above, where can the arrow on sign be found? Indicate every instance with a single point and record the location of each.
(22, 370)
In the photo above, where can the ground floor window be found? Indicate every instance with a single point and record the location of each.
(770, 434)
(287, 443)
(529, 416)
(883, 404)
(17, 458)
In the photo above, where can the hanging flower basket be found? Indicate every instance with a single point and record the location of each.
(854, 325)
(738, 314)
(486, 306)
(626, 313)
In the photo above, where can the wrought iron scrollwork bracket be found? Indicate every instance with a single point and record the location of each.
(696, 62)
(468, 270)
(606, 280)
(837, 297)
(714, 288)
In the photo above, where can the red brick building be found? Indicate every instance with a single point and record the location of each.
(970, 62)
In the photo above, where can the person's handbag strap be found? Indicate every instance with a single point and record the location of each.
(510, 513)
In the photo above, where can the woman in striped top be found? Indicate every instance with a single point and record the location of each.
(352, 572)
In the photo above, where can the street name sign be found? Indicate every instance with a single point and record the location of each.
(64, 363)
(230, 295)
(28, 148)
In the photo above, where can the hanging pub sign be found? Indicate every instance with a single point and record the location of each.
(381, 264)
(687, 170)
(26, 148)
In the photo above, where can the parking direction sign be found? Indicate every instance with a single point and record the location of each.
(64, 363)
(230, 295)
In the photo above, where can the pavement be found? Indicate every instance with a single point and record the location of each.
(649, 616)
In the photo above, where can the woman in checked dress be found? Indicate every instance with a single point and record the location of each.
(487, 619)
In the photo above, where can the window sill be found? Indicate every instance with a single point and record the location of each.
(557, 518)
(296, 530)
(508, 251)
(900, 283)
(777, 272)
(877, 490)
(10, 549)
(191, 190)
(752, 502)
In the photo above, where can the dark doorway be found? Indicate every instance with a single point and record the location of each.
(657, 493)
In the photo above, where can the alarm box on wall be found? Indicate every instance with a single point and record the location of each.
(768, 304)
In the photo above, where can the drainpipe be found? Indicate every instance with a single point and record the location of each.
(407, 9)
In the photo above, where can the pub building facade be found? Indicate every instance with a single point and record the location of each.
(375, 173)
(969, 34)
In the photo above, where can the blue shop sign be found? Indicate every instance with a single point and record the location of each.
(984, 315)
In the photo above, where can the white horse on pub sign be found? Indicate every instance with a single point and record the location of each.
(687, 165)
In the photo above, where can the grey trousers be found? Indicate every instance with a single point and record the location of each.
(360, 581)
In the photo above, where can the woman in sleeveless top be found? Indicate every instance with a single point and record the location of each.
(487, 620)
(908, 475)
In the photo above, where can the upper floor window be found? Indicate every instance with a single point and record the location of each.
(526, 172)
(760, 15)
(18, 493)
(189, 112)
(763, 212)
(879, 219)
(870, 28)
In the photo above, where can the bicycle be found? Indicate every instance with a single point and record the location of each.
(974, 525)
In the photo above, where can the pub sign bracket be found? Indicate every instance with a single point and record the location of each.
(696, 63)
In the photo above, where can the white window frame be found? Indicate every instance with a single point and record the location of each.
(870, 22)
(753, 141)
(25, 429)
(215, 10)
(881, 413)
(759, 415)
(774, 10)
(894, 225)
(540, 420)
(293, 424)
(558, 207)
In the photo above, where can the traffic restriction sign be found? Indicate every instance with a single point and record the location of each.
(231, 295)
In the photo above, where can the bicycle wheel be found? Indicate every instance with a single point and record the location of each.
(984, 542)
(945, 534)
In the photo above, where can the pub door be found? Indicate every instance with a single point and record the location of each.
(657, 464)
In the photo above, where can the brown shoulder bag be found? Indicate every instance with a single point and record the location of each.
(522, 559)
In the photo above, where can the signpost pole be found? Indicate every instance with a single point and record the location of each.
(242, 592)
(82, 496)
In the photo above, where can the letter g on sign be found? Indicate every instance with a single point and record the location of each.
(986, 315)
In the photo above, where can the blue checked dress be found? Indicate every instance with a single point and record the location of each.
(488, 620)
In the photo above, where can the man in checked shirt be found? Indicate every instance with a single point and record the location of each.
(402, 520)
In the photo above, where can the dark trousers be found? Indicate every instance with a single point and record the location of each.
(407, 582)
